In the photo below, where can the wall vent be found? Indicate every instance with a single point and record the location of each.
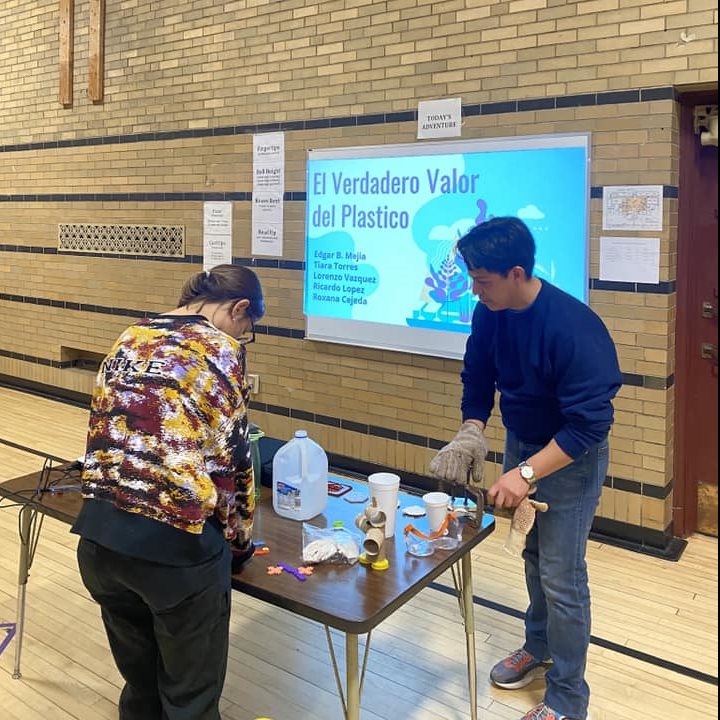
(145, 240)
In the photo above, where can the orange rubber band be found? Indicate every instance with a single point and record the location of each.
(410, 528)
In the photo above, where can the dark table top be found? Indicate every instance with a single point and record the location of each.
(62, 506)
(352, 598)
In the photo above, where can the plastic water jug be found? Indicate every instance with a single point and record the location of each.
(300, 478)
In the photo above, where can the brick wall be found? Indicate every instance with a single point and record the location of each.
(178, 75)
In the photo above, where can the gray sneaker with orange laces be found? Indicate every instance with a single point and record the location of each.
(518, 670)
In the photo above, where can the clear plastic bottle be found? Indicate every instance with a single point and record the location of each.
(254, 436)
(300, 478)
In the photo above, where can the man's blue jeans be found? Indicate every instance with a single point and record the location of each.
(557, 622)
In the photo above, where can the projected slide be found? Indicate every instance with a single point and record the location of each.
(382, 224)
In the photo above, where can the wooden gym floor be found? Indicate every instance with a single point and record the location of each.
(654, 651)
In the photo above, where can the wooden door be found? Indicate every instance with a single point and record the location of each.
(696, 389)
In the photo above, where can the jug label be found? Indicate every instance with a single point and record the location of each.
(288, 497)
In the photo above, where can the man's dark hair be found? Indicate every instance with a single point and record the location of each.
(499, 245)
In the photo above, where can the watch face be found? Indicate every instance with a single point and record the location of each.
(527, 472)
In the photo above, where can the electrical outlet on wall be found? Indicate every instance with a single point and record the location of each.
(254, 381)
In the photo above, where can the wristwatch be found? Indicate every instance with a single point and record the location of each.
(527, 473)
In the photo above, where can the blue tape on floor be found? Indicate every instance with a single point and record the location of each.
(9, 630)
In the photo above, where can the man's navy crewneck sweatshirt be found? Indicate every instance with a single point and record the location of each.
(554, 365)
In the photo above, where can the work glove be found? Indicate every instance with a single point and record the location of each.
(522, 522)
(463, 458)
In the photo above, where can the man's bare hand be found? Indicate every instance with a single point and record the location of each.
(508, 490)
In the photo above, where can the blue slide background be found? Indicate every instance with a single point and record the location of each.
(411, 275)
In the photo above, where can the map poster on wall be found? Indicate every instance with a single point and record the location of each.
(632, 207)
(268, 193)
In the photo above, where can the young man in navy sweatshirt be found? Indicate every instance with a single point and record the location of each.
(555, 367)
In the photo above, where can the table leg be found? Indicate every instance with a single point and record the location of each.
(27, 514)
(352, 671)
(354, 675)
(469, 620)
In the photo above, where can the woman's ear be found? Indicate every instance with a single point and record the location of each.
(239, 309)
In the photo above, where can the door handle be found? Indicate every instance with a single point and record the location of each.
(708, 351)
(709, 310)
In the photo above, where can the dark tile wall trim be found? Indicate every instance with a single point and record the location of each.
(39, 250)
(421, 481)
(633, 537)
(60, 364)
(76, 306)
(619, 96)
(549, 103)
(596, 192)
(660, 93)
(669, 191)
(143, 197)
(612, 532)
(630, 486)
(424, 482)
(412, 439)
(638, 488)
(666, 287)
(647, 381)
(71, 397)
(537, 104)
(197, 259)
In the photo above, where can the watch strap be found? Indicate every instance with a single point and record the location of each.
(531, 480)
